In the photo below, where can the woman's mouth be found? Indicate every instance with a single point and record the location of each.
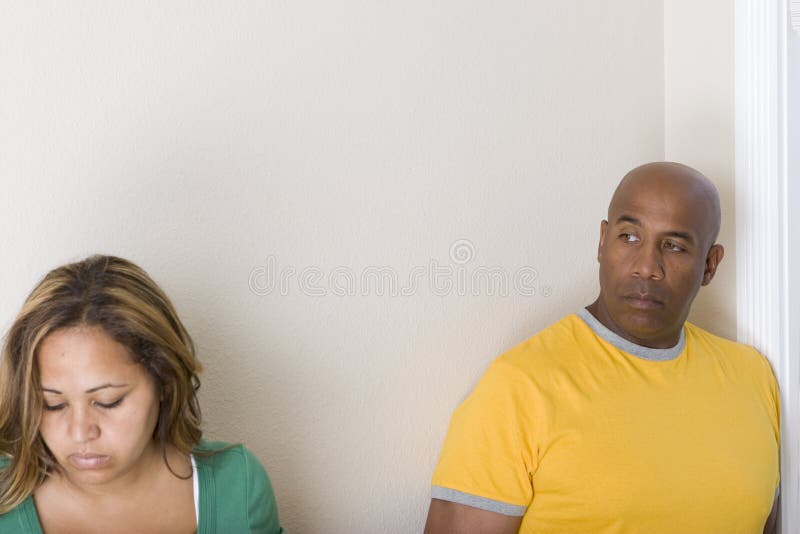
(88, 461)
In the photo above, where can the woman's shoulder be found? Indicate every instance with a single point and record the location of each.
(242, 492)
(16, 518)
(219, 453)
(229, 460)
(11, 517)
(206, 447)
(21, 519)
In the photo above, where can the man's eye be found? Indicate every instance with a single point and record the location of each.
(673, 247)
(111, 404)
(629, 238)
(53, 408)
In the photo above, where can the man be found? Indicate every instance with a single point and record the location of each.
(623, 418)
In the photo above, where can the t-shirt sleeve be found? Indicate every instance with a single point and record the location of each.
(774, 403)
(484, 462)
(262, 510)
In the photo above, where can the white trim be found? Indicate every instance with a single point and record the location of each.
(766, 300)
(195, 491)
(795, 13)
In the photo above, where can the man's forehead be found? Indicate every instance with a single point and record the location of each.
(666, 179)
(669, 206)
(675, 194)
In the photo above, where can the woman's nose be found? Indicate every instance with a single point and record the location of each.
(83, 426)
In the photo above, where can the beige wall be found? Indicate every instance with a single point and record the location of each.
(199, 140)
(698, 129)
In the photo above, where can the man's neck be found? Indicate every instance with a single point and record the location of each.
(599, 311)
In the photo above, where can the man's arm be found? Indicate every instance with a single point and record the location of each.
(769, 526)
(445, 517)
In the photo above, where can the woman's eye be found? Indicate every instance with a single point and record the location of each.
(110, 404)
(53, 408)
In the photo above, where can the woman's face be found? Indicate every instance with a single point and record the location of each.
(100, 407)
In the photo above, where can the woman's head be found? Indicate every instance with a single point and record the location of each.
(92, 308)
(100, 407)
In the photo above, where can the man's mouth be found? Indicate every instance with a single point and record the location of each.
(643, 301)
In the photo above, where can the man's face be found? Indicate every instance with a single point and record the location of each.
(654, 256)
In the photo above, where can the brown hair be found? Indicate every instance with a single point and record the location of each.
(120, 297)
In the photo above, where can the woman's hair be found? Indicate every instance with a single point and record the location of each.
(120, 297)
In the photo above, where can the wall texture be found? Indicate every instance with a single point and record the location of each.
(698, 129)
(227, 148)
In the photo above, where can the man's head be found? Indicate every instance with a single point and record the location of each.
(656, 249)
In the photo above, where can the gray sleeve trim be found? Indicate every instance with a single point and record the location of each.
(447, 494)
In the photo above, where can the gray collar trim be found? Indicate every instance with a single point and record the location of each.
(624, 345)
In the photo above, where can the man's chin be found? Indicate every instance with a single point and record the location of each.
(648, 330)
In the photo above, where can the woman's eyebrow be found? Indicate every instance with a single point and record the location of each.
(90, 390)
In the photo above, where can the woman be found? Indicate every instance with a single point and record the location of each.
(99, 418)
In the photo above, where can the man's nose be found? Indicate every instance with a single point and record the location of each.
(649, 263)
(83, 425)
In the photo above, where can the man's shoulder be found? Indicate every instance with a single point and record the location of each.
(556, 344)
(732, 352)
(707, 340)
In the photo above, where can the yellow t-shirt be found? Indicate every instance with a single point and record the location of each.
(580, 431)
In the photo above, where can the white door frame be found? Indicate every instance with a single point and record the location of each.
(767, 111)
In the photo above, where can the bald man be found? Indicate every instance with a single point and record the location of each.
(623, 418)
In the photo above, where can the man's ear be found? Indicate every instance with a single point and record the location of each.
(603, 228)
(713, 258)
